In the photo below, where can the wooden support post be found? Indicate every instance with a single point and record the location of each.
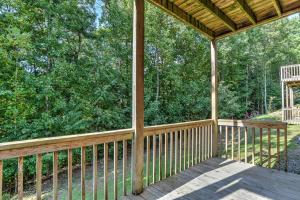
(214, 95)
(291, 97)
(282, 99)
(138, 97)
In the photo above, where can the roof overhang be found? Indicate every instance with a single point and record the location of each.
(217, 19)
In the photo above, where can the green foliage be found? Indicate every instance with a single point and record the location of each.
(65, 68)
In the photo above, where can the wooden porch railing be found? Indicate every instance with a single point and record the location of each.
(180, 146)
(38, 147)
(291, 115)
(237, 137)
(169, 149)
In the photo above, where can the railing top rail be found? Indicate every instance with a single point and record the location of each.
(158, 129)
(253, 123)
(46, 145)
(288, 66)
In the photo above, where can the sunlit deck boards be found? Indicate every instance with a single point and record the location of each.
(223, 179)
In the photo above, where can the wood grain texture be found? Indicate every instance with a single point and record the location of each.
(39, 176)
(154, 160)
(20, 177)
(214, 94)
(253, 145)
(51, 144)
(95, 172)
(124, 182)
(105, 173)
(83, 171)
(116, 154)
(70, 174)
(209, 179)
(148, 161)
(166, 141)
(171, 153)
(1, 178)
(55, 175)
(138, 96)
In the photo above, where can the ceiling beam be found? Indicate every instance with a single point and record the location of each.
(247, 10)
(183, 16)
(218, 13)
(277, 7)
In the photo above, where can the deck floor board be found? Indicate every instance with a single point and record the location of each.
(218, 178)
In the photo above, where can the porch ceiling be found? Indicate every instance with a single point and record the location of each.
(219, 18)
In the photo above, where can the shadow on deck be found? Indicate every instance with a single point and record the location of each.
(224, 179)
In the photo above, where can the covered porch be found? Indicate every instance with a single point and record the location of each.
(185, 160)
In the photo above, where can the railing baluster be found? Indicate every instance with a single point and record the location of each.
(20, 177)
(193, 143)
(159, 157)
(125, 165)
(202, 143)
(206, 142)
(246, 142)
(285, 150)
(226, 141)
(220, 147)
(211, 140)
(39, 176)
(196, 145)
(95, 171)
(116, 154)
(239, 143)
(269, 147)
(278, 148)
(105, 193)
(70, 174)
(154, 159)
(232, 142)
(260, 146)
(148, 162)
(180, 150)
(55, 175)
(166, 155)
(184, 148)
(171, 153)
(176, 151)
(1, 178)
(189, 147)
(83, 172)
(253, 145)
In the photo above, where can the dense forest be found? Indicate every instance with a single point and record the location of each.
(66, 68)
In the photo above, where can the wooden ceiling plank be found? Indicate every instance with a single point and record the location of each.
(174, 10)
(247, 10)
(259, 23)
(218, 13)
(277, 7)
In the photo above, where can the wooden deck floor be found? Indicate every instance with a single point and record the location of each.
(223, 179)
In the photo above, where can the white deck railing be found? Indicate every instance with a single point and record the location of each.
(290, 73)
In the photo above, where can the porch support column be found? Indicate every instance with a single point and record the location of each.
(214, 95)
(282, 99)
(291, 97)
(138, 97)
